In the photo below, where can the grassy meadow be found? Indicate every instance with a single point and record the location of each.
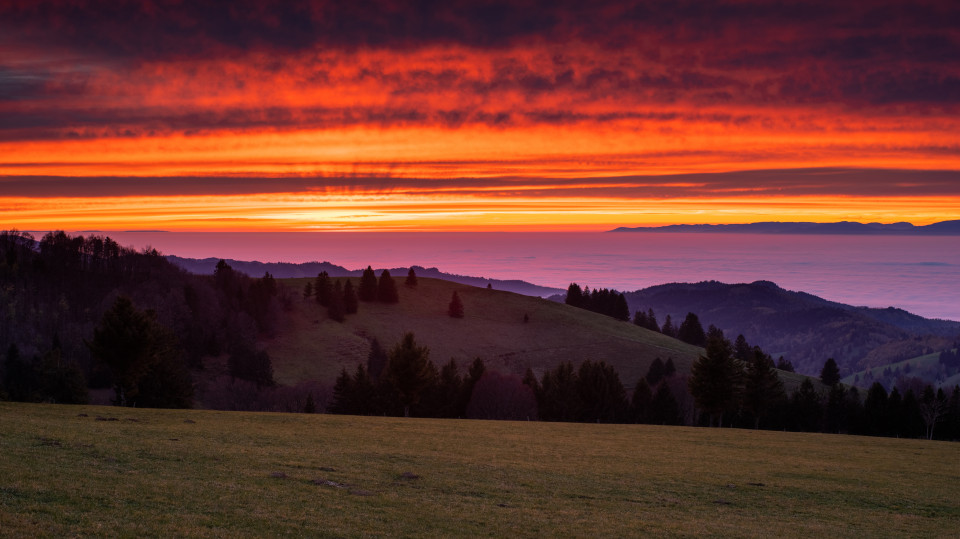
(312, 347)
(86, 470)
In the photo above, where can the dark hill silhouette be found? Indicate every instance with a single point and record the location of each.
(286, 270)
(806, 329)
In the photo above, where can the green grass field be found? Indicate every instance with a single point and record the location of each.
(72, 471)
(313, 347)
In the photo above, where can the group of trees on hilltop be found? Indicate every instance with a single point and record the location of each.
(599, 300)
(406, 382)
(70, 300)
(341, 298)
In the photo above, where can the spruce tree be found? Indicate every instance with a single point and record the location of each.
(350, 300)
(376, 360)
(652, 323)
(387, 289)
(640, 403)
(691, 332)
(655, 372)
(668, 328)
(574, 295)
(335, 309)
(368, 285)
(323, 289)
(409, 371)
(455, 308)
(307, 290)
(762, 385)
(411, 278)
(715, 380)
(830, 374)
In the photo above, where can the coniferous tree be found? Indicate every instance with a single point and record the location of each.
(455, 308)
(806, 408)
(449, 389)
(574, 295)
(368, 285)
(601, 393)
(668, 328)
(137, 349)
(251, 365)
(640, 318)
(715, 380)
(876, 413)
(742, 350)
(669, 369)
(20, 377)
(411, 278)
(652, 323)
(830, 374)
(307, 290)
(784, 365)
(560, 400)
(309, 407)
(409, 371)
(376, 360)
(664, 408)
(620, 310)
(387, 289)
(474, 373)
(323, 289)
(691, 332)
(342, 402)
(335, 309)
(530, 380)
(655, 372)
(350, 300)
(762, 386)
(640, 404)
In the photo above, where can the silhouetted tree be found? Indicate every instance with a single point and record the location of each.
(715, 380)
(741, 349)
(376, 360)
(137, 349)
(574, 295)
(933, 406)
(641, 401)
(387, 289)
(411, 278)
(762, 386)
(830, 374)
(499, 396)
(668, 328)
(602, 397)
(876, 414)
(455, 308)
(655, 372)
(691, 332)
(368, 285)
(806, 408)
(251, 365)
(560, 400)
(323, 289)
(784, 365)
(409, 371)
(307, 290)
(335, 308)
(664, 408)
(350, 300)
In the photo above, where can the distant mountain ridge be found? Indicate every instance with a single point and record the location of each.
(806, 329)
(286, 270)
(943, 228)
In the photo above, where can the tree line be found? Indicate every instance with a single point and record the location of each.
(85, 313)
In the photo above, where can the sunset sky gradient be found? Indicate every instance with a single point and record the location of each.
(445, 115)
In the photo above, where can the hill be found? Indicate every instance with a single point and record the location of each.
(943, 228)
(314, 347)
(804, 328)
(100, 471)
(286, 270)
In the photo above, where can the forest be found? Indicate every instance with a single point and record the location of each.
(84, 314)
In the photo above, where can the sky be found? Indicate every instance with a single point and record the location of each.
(484, 115)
